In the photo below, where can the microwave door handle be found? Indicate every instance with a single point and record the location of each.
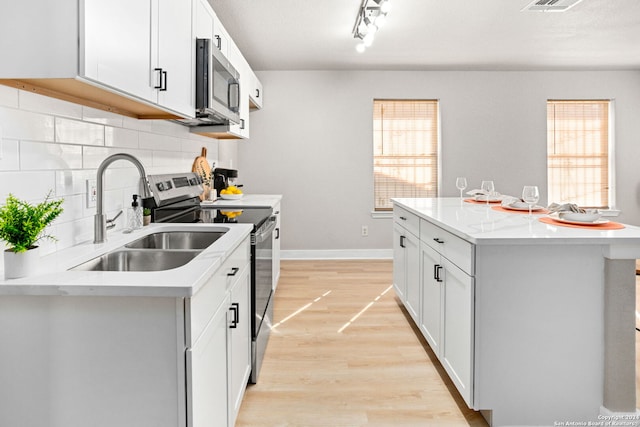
(234, 101)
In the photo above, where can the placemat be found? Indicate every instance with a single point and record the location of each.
(501, 209)
(483, 202)
(611, 225)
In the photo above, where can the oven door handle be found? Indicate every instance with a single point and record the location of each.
(265, 231)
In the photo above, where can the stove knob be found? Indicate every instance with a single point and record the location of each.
(160, 186)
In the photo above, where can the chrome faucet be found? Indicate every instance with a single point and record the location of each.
(99, 219)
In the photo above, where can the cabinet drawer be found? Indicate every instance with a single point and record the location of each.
(452, 247)
(202, 306)
(407, 220)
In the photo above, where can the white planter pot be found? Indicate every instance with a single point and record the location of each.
(21, 264)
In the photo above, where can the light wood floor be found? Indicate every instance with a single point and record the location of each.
(342, 353)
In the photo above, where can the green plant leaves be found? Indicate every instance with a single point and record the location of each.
(22, 224)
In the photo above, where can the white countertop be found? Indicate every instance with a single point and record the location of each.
(482, 225)
(53, 277)
(248, 200)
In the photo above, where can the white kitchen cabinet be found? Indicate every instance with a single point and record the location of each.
(406, 267)
(208, 395)
(129, 57)
(238, 340)
(125, 360)
(143, 48)
(436, 292)
(430, 312)
(276, 246)
(221, 38)
(255, 92)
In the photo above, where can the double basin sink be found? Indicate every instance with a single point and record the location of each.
(154, 252)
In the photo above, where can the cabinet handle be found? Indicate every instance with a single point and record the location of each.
(235, 308)
(257, 93)
(402, 241)
(436, 272)
(437, 240)
(234, 271)
(403, 218)
(159, 70)
(241, 123)
(163, 81)
(218, 42)
(277, 233)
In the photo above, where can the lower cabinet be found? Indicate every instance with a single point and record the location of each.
(406, 269)
(207, 374)
(438, 295)
(129, 361)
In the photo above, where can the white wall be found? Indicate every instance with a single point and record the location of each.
(312, 141)
(48, 144)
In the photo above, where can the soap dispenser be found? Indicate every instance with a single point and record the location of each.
(135, 214)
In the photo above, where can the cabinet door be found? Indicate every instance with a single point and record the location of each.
(175, 56)
(457, 342)
(412, 275)
(276, 247)
(399, 262)
(117, 45)
(207, 374)
(430, 314)
(203, 20)
(240, 64)
(255, 92)
(239, 343)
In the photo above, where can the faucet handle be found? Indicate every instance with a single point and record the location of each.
(112, 222)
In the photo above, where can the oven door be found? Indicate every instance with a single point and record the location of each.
(261, 294)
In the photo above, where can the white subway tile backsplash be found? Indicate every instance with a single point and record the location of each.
(71, 182)
(50, 144)
(30, 101)
(154, 141)
(27, 185)
(79, 132)
(39, 156)
(18, 124)
(120, 137)
(100, 116)
(10, 155)
(8, 96)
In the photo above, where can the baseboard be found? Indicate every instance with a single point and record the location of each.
(338, 254)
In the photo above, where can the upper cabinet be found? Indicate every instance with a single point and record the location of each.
(255, 92)
(142, 48)
(131, 57)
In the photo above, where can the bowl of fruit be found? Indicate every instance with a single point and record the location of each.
(231, 193)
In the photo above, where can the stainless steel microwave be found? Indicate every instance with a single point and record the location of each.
(217, 86)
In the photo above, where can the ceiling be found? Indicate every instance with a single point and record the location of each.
(435, 35)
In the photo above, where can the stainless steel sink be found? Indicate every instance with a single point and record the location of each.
(138, 260)
(169, 240)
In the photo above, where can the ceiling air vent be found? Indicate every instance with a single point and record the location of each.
(550, 5)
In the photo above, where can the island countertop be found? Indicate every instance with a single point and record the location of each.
(482, 225)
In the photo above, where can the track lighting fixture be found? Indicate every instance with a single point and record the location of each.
(371, 16)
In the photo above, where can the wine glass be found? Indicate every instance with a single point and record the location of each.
(488, 188)
(461, 184)
(530, 195)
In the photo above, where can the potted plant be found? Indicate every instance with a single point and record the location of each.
(22, 225)
(146, 216)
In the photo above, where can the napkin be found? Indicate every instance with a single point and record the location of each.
(513, 202)
(566, 207)
(476, 192)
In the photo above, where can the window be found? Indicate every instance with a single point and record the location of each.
(405, 150)
(578, 143)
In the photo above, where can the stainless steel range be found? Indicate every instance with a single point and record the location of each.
(176, 201)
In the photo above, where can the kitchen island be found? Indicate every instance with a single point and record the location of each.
(168, 348)
(533, 322)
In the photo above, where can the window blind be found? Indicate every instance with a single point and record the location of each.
(578, 152)
(405, 150)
